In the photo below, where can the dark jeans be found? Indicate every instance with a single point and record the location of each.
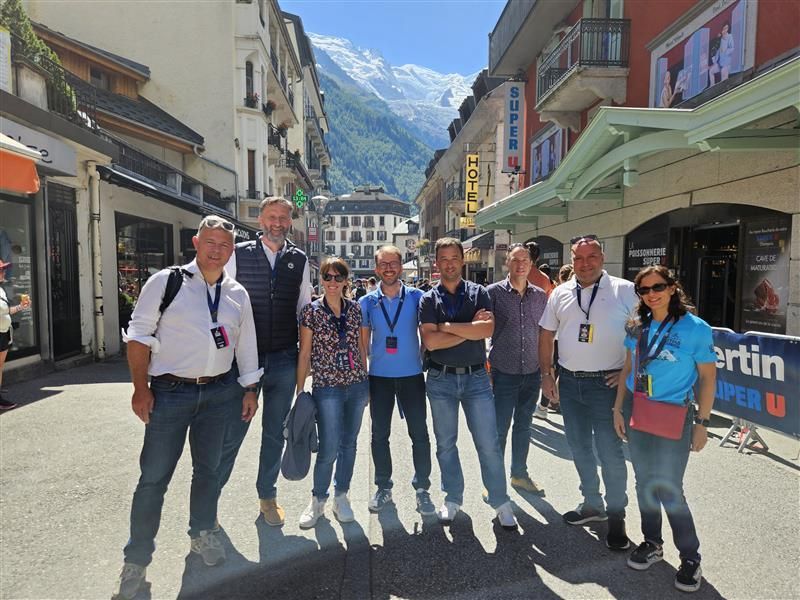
(277, 385)
(179, 407)
(586, 407)
(515, 396)
(410, 395)
(659, 465)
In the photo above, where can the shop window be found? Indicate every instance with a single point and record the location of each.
(16, 247)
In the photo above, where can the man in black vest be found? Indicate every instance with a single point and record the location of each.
(276, 275)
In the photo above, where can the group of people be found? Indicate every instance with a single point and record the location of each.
(7, 310)
(243, 324)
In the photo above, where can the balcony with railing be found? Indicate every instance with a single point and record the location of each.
(279, 91)
(454, 196)
(589, 64)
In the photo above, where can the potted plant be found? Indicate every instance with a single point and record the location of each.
(269, 107)
(251, 100)
(283, 128)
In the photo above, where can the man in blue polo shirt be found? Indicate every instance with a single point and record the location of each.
(391, 330)
(456, 319)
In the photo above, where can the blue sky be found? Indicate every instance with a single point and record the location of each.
(446, 35)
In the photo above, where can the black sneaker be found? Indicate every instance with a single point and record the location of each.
(7, 404)
(689, 576)
(646, 554)
(379, 500)
(617, 538)
(424, 505)
(584, 514)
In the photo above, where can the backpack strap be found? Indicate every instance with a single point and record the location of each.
(174, 283)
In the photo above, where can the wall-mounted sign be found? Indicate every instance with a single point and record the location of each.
(471, 184)
(547, 151)
(715, 45)
(645, 247)
(312, 233)
(501, 247)
(513, 126)
(58, 157)
(466, 222)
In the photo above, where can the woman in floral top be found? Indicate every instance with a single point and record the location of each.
(330, 346)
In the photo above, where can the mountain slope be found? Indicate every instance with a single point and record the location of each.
(369, 143)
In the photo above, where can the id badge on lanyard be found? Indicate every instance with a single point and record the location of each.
(391, 339)
(586, 329)
(646, 351)
(218, 333)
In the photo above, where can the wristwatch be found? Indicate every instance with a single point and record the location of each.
(251, 388)
(703, 422)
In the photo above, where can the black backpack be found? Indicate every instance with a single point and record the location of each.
(174, 283)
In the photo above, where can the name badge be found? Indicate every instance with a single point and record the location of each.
(586, 333)
(643, 383)
(220, 337)
(391, 345)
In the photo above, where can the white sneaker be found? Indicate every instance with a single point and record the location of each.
(342, 509)
(447, 512)
(312, 514)
(130, 580)
(540, 412)
(505, 516)
(208, 546)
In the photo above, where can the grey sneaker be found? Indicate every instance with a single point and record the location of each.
(447, 512)
(505, 516)
(379, 500)
(208, 546)
(130, 581)
(540, 412)
(425, 506)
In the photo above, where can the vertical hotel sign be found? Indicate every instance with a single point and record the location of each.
(514, 126)
(471, 186)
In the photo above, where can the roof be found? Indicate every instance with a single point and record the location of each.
(391, 206)
(143, 70)
(144, 112)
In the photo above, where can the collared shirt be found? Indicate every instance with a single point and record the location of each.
(305, 286)
(180, 339)
(540, 280)
(515, 343)
(614, 304)
(469, 298)
(407, 360)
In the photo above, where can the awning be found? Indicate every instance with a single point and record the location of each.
(18, 167)
(618, 137)
(482, 241)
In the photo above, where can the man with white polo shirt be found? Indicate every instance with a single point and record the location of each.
(589, 313)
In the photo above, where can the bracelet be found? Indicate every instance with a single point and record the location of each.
(703, 422)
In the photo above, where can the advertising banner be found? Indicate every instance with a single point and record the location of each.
(758, 378)
(471, 184)
(644, 248)
(546, 154)
(513, 126)
(765, 277)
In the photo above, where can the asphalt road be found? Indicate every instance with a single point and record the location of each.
(69, 464)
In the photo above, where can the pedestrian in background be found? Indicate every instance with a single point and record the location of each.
(535, 276)
(517, 306)
(372, 284)
(187, 352)
(275, 274)
(668, 351)
(6, 329)
(360, 290)
(564, 274)
(330, 346)
(390, 329)
(589, 313)
(456, 319)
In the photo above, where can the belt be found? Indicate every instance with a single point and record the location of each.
(586, 374)
(457, 370)
(193, 380)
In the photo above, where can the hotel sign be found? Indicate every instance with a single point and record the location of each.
(513, 126)
(471, 186)
(466, 222)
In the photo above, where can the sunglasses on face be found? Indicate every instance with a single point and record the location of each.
(215, 223)
(331, 276)
(588, 238)
(659, 287)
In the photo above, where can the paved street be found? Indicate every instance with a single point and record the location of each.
(68, 467)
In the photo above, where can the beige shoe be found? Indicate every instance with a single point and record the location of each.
(527, 484)
(274, 515)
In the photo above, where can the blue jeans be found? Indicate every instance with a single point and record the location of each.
(179, 407)
(515, 396)
(659, 464)
(586, 407)
(339, 412)
(277, 385)
(474, 392)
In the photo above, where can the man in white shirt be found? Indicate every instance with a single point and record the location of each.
(589, 313)
(275, 274)
(187, 353)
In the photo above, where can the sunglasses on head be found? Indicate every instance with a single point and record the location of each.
(331, 276)
(216, 223)
(589, 238)
(659, 287)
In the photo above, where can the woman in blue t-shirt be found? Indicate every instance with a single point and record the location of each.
(670, 362)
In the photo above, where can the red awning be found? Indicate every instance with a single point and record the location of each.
(18, 167)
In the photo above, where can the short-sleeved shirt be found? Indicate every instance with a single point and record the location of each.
(674, 371)
(327, 354)
(515, 341)
(440, 306)
(406, 361)
(612, 307)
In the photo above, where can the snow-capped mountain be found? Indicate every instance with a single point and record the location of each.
(426, 99)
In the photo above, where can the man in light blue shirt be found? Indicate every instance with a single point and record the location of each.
(390, 329)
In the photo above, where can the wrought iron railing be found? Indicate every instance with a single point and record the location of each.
(455, 191)
(274, 137)
(140, 163)
(253, 194)
(589, 43)
(273, 58)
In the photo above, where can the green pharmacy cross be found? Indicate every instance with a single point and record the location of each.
(300, 198)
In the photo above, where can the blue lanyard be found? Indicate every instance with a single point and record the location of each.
(341, 321)
(451, 314)
(645, 346)
(393, 323)
(591, 300)
(213, 307)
